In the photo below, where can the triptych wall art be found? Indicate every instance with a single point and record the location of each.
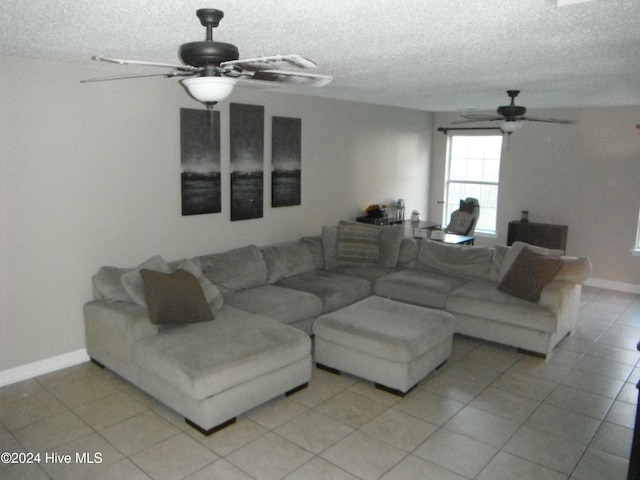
(201, 159)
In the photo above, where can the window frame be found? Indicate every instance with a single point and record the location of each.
(446, 214)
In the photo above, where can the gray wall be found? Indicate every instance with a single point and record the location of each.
(586, 176)
(90, 175)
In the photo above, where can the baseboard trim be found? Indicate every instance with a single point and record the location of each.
(609, 285)
(30, 370)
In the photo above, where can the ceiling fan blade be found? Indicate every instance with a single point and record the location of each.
(125, 77)
(472, 117)
(293, 78)
(144, 63)
(548, 120)
(270, 62)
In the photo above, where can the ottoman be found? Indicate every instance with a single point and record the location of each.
(393, 344)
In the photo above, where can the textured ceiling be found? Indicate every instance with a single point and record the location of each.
(436, 55)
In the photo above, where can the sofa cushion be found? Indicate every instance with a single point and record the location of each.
(333, 289)
(283, 304)
(420, 287)
(211, 293)
(481, 298)
(174, 298)
(358, 244)
(235, 269)
(462, 260)
(389, 242)
(107, 285)
(203, 359)
(132, 281)
(528, 275)
(287, 259)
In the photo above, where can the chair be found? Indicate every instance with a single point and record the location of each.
(463, 221)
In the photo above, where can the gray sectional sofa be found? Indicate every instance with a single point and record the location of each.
(264, 301)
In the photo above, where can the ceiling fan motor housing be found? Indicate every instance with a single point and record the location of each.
(207, 53)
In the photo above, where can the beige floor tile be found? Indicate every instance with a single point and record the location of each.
(622, 413)
(139, 432)
(505, 404)
(52, 432)
(109, 410)
(19, 391)
(479, 371)
(499, 355)
(88, 456)
(546, 449)
(597, 465)
(539, 367)
(124, 469)
(412, 468)
(450, 385)
(230, 438)
(614, 354)
(368, 389)
(81, 391)
(564, 423)
(505, 466)
(525, 385)
(314, 431)
(30, 471)
(602, 366)
(593, 383)
(320, 389)
(580, 401)
(429, 406)
(399, 429)
(317, 469)
(30, 408)
(269, 457)
(174, 458)
(351, 408)
(363, 456)
(483, 426)
(629, 393)
(220, 469)
(276, 412)
(456, 452)
(613, 439)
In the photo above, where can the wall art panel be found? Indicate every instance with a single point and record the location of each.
(200, 161)
(286, 155)
(247, 161)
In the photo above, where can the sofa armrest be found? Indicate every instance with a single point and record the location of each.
(112, 330)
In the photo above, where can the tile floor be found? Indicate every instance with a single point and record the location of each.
(489, 414)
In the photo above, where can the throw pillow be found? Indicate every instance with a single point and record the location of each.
(132, 281)
(211, 293)
(358, 244)
(513, 252)
(528, 275)
(174, 298)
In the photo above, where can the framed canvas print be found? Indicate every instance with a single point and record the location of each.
(200, 161)
(247, 161)
(286, 161)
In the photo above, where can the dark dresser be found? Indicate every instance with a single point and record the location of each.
(544, 235)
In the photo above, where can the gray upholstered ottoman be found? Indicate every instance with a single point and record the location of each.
(393, 344)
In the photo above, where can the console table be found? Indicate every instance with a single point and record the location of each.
(541, 234)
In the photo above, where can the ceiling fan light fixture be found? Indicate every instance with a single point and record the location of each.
(510, 126)
(209, 90)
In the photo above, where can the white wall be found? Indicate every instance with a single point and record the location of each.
(586, 176)
(90, 175)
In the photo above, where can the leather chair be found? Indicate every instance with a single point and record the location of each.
(463, 221)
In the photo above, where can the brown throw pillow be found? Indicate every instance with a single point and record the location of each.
(175, 298)
(528, 275)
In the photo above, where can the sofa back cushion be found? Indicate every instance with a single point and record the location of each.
(462, 260)
(361, 244)
(288, 259)
(235, 269)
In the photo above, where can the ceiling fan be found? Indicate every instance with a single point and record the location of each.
(212, 69)
(510, 116)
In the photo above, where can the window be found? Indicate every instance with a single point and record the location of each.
(473, 170)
